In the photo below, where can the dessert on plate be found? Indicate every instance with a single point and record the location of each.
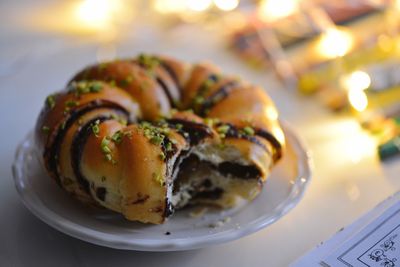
(146, 136)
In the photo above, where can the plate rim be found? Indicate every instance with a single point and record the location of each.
(84, 233)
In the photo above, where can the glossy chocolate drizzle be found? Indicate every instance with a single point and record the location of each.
(195, 132)
(77, 146)
(52, 153)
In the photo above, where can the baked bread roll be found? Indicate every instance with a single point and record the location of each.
(146, 136)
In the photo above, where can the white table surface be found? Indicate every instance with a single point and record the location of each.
(348, 179)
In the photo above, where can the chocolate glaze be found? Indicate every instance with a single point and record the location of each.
(52, 152)
(101, 193)
(168, 153)
(171, 73)
(220, 94)
(166, 90)
(195, 131)
(236, 133)
(213, 77)
(274, 142)
(160, 81)
(169, 209)
(77, 146)
(276, 154)
(212, 194)
(237, 170)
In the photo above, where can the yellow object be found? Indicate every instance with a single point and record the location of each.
(335, 43)
(97, 13)
(357, 80)
(358, 99)
(226, 5)
(197, 5)
(271, 10)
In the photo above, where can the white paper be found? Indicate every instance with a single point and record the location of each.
(373, 240)
(377, 245)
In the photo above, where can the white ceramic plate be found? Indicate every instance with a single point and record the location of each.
(48, 202)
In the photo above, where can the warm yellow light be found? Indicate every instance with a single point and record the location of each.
(358, 99)
(226, 5)
(198, 5)
(271, 112)
(357, 80)
(358, 146)
(278, 133)
(335, 43)
(397, 4)
(97, 13)
(271, 10)
(170, 6)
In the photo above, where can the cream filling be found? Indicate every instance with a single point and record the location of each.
(191, 179)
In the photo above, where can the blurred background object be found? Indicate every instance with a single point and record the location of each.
(331, 67)
(343, 53)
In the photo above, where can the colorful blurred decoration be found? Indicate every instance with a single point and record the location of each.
(346, 54)
(273, 10)
(334, 43)
(98, 14)
(186, 10)
(84, 17)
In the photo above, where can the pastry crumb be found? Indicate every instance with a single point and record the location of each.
(198, 212)
(220, 223)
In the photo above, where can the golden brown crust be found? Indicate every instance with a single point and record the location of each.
(91, 152)
(136, 81)
(197, 78)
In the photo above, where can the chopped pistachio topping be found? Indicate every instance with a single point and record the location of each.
(223, 129)
(248, 130)
(204, 89)
(104, 145)
(178, 126)
(121, 120)
(96, 128)
(108, 157)
(158, 178)
(63, 125)
(106, 149)
(156, 140)
(162, 156)
(128, 134)
(168, 146)
(46, 129)
(155, 134)
(71, 103)
(50, 101)
(84, 87)
(198, 100)
(117, 137)
(96, 87)
(211, 121)
(150, 62)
